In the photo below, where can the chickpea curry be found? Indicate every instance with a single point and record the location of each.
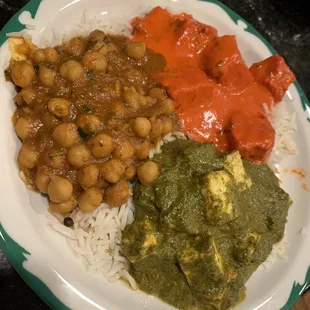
(88, 113)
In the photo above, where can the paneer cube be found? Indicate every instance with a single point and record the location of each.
(219, 193)
(202, 266)
(234, 166)
(149, 238)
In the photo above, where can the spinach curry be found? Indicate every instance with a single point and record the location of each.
(204, 226)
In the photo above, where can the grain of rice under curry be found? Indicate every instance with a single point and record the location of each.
(90, 111)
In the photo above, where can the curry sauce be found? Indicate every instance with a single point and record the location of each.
(219, 99)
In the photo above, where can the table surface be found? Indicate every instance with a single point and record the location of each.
(283, 23)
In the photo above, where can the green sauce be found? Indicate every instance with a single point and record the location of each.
(204, 226)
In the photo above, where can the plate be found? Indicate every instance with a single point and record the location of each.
(44, 259)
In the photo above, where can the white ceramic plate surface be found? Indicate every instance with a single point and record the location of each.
(44, 259)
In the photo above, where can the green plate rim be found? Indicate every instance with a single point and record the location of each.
(17, 254)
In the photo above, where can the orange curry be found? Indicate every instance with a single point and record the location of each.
(219, 99)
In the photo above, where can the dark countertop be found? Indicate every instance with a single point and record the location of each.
(283, 23)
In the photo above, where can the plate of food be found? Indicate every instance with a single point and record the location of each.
(155, 156)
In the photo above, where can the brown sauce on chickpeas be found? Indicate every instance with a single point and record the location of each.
(88, 113)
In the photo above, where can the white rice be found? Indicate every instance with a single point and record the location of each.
(284, 124)
(97, 238)
(20, 34)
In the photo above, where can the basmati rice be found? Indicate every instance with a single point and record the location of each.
(284, 125)
(97, 238)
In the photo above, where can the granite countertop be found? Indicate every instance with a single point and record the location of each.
(283, 23)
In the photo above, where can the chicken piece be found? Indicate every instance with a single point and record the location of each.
(252, 136)
(223, 61)
(147, 25)
(236, 78)
(184, 82)
(234, 166)
(220, 193)
(274, 74)
(187, 31)
(222, 55)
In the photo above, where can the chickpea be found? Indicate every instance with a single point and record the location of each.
(102, 184)
(64, 207)
(26, 95)
(136, 50)
(156, 129)
(111, 47)
(101, 145)
(42, 179)
(38, 56)
(88, 176)
(66, 135)
(27, 157)
(59, 107)
(51, 55)
(157, 93)
(96, 35)
(71, 71)
(23, 127)
(47, 76)
(141, 126)
(22, 49)
(121, 110)
(167, 106)
(55, 158)
(97, 46)
(95, 61)
(130, 172)
(166, 126)
(134, 99)
(118, 194)
(124, 151)
(78, 155)
(148, 172)
(22, 73)
(89, 123)
(143, 101)
(90, 199)
(142, 151)
(49, 121)
(59, 189)
(112, 170)
(75, 47)
(104, 50)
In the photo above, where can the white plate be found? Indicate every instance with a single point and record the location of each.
(43, 258)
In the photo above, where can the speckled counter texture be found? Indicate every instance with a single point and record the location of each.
(285, 24)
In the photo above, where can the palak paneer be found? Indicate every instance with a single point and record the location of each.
(203, 226)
